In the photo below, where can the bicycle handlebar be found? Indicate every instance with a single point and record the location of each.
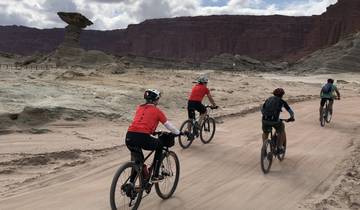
(211, 106)
(159, 133)
(288, 120)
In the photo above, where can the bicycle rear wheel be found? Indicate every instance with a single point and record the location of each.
(170, 169)
(126, 193)
(185, 141)
(266, 156)
(322, 117)
(281, 157)
(207, 130)
(327, 115)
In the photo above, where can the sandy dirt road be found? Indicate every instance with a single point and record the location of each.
(224, 174)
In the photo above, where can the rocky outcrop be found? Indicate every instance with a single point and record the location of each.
(344, 56)
(197, 39)
(76, 22)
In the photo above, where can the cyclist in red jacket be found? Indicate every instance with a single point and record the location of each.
(196, 96)
(145, 122)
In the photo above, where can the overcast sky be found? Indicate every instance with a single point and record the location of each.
(114, 14)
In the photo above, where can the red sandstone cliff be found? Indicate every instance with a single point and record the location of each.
(199, 38)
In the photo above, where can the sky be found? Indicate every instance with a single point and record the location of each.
(115, 14)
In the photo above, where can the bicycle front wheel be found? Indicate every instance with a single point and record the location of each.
(170, 170)
(126, 188)
(266, 156)
(185, 141)
(207, 131)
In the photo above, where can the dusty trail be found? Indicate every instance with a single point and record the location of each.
(222, 175)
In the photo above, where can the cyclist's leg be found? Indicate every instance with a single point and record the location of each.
(191, 112)
(202, 110)
(151, 144)
(281, 134)
(266, 130)
(136, 152)
(331, 102)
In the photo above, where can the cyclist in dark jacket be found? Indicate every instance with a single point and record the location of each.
(327, 93)
(270, 116)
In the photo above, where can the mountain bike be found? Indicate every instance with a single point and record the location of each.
(270, 149)
(134, 177)
(191, 127)
(325, 116)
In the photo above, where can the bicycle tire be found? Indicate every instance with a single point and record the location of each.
(208, 124)
(322, 118)
(328, 115)
(185, 141)
(114, 192)
(159, 191)
(281, 157)
(266, 154)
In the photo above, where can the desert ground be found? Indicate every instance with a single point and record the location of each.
(62, 136)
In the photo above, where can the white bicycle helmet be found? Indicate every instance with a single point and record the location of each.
(152, 95)
(202, 79)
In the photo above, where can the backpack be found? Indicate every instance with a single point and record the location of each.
(327, 88)
(272, 108)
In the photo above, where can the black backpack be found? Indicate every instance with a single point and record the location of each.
(327, 88)
(272, 108)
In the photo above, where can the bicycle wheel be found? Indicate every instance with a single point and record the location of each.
(170, 169)
(125, 194)
(207, 130)
(266, 156)
(281, 157)
(185, 141)
(322, 117)
(327, 115)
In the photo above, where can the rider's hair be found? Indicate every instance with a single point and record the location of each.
(279, 92)
(330, 80)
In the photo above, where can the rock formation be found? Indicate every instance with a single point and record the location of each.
(197, 39)
(76, 22)
(344, 56)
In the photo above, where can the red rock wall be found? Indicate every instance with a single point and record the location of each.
(199, 38)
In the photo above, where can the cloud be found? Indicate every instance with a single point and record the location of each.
(113, 14)
(111, 1)
(153, 9)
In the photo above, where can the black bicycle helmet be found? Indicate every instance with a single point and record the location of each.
(151, 95)
(279, 92)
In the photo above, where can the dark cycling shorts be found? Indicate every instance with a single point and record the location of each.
(195, 105)
(323, 100)
(137, 141)
(267, 125)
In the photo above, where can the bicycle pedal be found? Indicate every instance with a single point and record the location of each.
(148, 187)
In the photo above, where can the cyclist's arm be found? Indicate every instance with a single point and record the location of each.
(211, 99)
(171, 128)
(288, 108)
(163, 119)
(337, 91)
